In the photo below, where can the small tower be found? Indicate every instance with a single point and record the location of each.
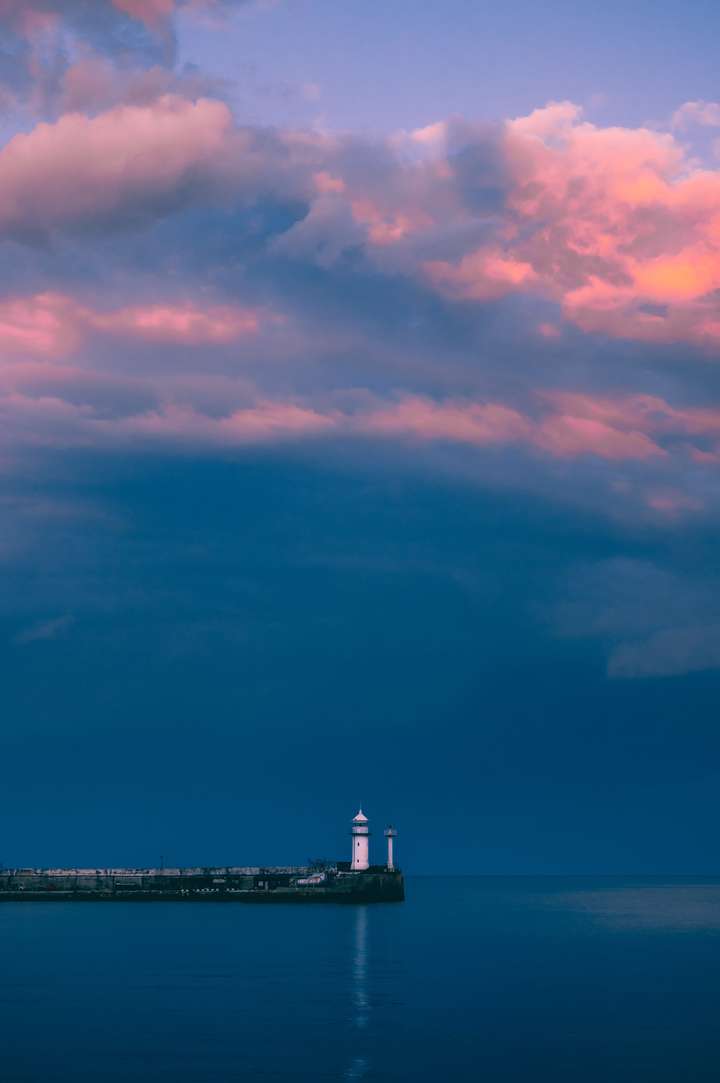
(390, 834)
(360, 836)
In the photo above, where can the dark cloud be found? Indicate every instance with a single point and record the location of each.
(41, 41)
(87, 55)
(653, 621)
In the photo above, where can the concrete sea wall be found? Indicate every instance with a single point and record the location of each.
(224, 884)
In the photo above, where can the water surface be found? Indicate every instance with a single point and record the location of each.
(493, 979)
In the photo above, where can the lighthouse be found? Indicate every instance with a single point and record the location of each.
(360, 836)
(390, 834)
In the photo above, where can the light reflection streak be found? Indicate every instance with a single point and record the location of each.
(359, 1065)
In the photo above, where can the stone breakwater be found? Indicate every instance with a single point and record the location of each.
(217, 884)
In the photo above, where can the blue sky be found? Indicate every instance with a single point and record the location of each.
(382, 67)
(360, 433)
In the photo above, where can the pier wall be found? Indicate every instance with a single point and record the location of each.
(219, 884)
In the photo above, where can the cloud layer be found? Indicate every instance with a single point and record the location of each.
(611, 234)
(530, 304)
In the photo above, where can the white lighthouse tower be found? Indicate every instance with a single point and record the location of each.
(360, 842)
(390, 834)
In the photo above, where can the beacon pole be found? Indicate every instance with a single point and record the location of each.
(390, 834)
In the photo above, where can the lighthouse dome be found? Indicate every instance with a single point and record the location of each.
(361, 818)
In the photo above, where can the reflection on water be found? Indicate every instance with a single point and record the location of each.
(359, 1064)
(656, 906)
(359, 969)
(357, 1069)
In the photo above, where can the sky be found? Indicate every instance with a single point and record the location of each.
(360, 433)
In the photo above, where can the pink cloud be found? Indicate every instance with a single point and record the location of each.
(182, 324)
(29, 14)
(481, 276)
(93, 84)
(454, 421)
(568, 436)
(616, 225)
(263, 422)
(570, 424)
(32, 16)
(80, 170)
(150, 12)
(50, 406)
(45, 324)
(327, 184)
(706, 114)
(386, 224)
(55, 325)
(155, 13)
(644, 413)
(559, 433)
(29, 18)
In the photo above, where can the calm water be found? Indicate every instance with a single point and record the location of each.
(471, 979)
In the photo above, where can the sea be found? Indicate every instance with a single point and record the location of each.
(484, 979)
